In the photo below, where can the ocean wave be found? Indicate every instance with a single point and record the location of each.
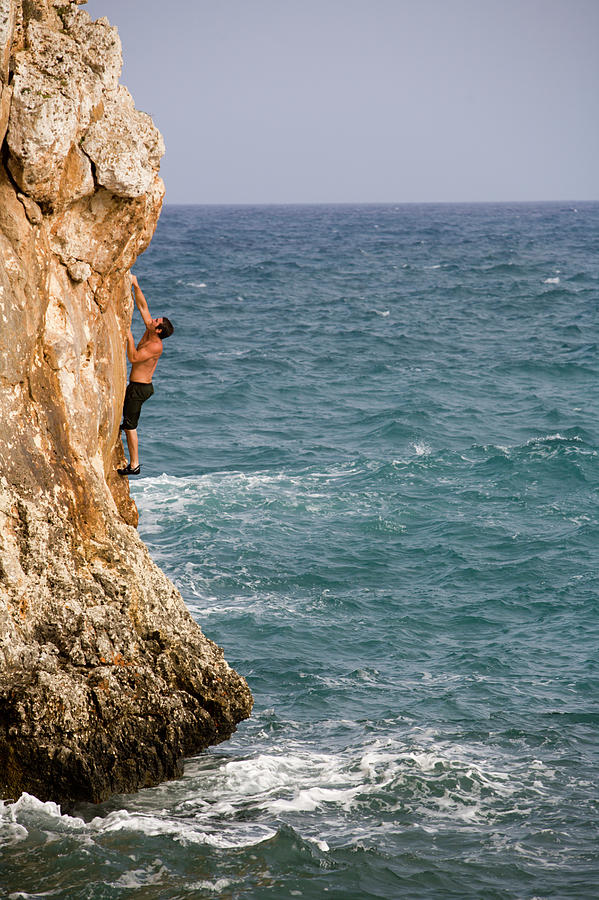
(29, 814)
(421, 448)
(505, 268)
(351, 500)
(573, 449)
(422, 776)
(182, 829)
(573, 441)
(192, 284)
(435, 781)
(289, 793)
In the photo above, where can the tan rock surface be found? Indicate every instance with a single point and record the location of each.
(106, 682)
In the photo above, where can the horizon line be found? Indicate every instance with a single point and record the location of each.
(375, 202)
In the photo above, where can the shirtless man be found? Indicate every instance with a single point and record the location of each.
(144, 359)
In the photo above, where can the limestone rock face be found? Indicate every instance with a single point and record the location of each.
(106, 682)
(54, 96)
(125, 146)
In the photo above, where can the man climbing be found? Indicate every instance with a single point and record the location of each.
(144, 359)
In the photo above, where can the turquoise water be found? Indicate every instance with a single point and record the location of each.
(370, 466)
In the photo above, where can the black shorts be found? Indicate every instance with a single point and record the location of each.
(137, 393)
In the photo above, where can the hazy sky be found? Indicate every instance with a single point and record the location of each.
(267, 101)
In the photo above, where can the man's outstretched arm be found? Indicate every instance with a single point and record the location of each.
(141, 302)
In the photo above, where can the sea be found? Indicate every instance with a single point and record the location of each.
(371, 468)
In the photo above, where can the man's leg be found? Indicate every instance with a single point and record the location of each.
(135, 395)
(133, 446)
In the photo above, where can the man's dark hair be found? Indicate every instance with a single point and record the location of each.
(165, 328)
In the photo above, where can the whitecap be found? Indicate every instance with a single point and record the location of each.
(322, 845)
(470, 786)
(29, 813)
(555, 280)
(292, 781)
(300, 780)
(553, 437)
(311, 799)
(139, 878)
(213, 886)
(28, 809)
(185, 831)
(421, 448)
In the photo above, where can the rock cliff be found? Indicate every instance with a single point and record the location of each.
(106, 682)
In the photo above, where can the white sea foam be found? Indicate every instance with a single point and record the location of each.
(439, 780)
(139, 878)
(421, 448)
(184, 496)
(552, 280)
(228, 480)
(215, 887)
(193, 284)
(30, 813)
(553, 438)
(49, 814)
(436, 780)
(184, 831)
(538, 442)
(311, 799)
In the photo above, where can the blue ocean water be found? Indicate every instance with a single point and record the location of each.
(371, 467)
